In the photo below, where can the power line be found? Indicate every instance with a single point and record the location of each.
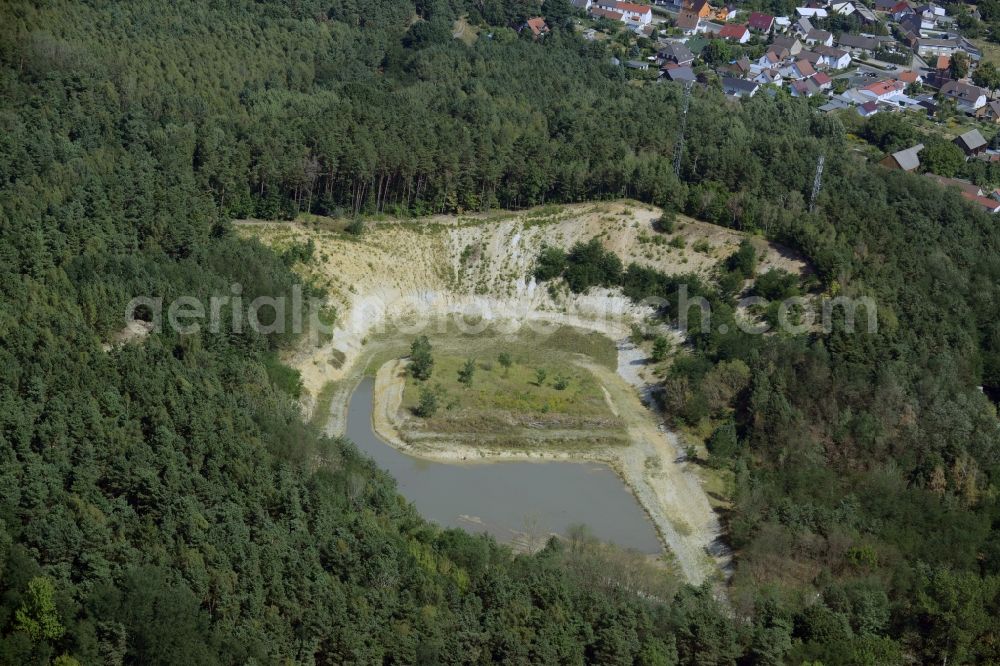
(817, 182)
(679, 148)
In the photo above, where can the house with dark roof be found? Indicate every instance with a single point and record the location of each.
(971, 143)
(688, 22)
(682, 74)
(678, 53)
(739, 87)
(793, 45)
(833, 58)
(858, 43)
(989, 112)
(967, 97)
(903, 160)
(819, 37)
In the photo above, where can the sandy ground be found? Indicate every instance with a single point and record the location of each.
(481, 266)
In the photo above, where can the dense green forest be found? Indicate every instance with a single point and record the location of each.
(163, 503)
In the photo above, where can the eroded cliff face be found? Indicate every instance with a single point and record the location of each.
(476, 271)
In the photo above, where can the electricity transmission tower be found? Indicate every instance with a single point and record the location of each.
(817, 182)
(679, 148)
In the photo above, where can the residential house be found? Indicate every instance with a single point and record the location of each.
(793, 45)
(972, 143)
(582, 4)
(833, 58)
(900, 9)
(843, 8)
(740, 67)
(885, 5)
(608, 14)
(800, 69)
(735, 33)
(802, 27)
(701, 8)
(822, 80)
(677, 53)
(682, 74)
(865, 15)
(965, 187)
(726, 12)
(928, 47)
(537, 26)
(766, 76)
(903, 160)
(969, 192)
(989, 112)
(910, 77)
(803, 88)
(688, 22)
(967, 97)
(641, 65)
(771, 59)
(811, 12)
(760, 22)
(886, 90)
(988, 204)
(868, 109)
(630, 11)
(858, 43)
(711, 28)
(739, 87)
(813, 58)
(931, 9)
(635, 13)
(820, 37)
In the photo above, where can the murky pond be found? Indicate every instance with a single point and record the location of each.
(508, 499)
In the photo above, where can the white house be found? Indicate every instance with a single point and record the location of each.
(884, 90)
(819, 37)
(968, 98)
(811, 12)
(631, 12)
(833, 58)
(735, 33)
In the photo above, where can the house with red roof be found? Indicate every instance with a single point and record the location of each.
(884, 90)
(822, 80)
(760, 22)
(537, 26)
(735, 33)
(800, 69)
(868, 109)
(629, 12)
(900, 10)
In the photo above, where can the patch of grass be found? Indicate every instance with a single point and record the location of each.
(513, 390)
(286, 379)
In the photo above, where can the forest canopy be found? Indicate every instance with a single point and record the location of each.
(163, 502)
